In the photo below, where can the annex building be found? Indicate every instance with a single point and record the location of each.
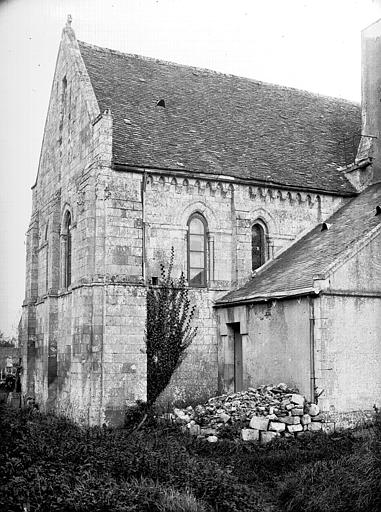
(269, 195)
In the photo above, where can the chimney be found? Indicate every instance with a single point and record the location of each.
(370, 145)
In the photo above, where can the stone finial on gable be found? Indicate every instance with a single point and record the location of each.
(68, 30)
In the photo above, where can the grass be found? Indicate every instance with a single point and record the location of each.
(50, 464)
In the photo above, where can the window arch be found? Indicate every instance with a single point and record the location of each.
(67, 248)
(197, 250)
(258, 245)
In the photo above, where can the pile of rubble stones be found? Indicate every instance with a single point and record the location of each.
(264, 413)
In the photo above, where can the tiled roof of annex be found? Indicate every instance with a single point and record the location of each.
(294, 269)
(220, 124)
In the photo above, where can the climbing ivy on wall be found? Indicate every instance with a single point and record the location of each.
(169, 330)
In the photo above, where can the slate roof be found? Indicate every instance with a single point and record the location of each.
(220, 124)
(295, 268)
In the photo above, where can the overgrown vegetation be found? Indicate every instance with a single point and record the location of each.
(7, 341)
(169, 330)
(50, 464)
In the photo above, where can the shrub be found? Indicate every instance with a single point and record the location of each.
(168, 330)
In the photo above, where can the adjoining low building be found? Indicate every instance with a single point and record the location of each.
(312, 316)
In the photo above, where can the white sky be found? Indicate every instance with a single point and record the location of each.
(308, 44)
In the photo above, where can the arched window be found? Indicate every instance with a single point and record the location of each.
(67, 251)
(258, 246)
(197, 250)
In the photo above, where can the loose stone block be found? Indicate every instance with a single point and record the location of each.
(277, 426)
(294, 428)
(208, 431)
(212, 439)
(314, 427)
(290, 420)
(194, 429)
(267, 436)
(224, 417)
(249, 434)
(297, 399)
(181, 417)
(259, 423)
(313, 410)
(297, 411)
(305, 419)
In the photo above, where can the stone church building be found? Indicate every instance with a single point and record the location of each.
(270, 197)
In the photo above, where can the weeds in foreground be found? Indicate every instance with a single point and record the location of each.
(49, 463)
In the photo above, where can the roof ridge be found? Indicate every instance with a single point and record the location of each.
(219, 73)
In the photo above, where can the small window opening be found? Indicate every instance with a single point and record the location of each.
(154, 280)
(258, 246)
(378, 210)
(160, 103)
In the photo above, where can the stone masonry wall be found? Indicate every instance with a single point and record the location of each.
(230, 210)
(197, 377)
(79, 352)
(57, 324)
(123, 360)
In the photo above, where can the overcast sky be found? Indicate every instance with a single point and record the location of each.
(308, 44)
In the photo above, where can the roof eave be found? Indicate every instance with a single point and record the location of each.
(287, 294)
(118, 166)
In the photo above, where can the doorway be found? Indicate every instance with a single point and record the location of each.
(238, 363)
